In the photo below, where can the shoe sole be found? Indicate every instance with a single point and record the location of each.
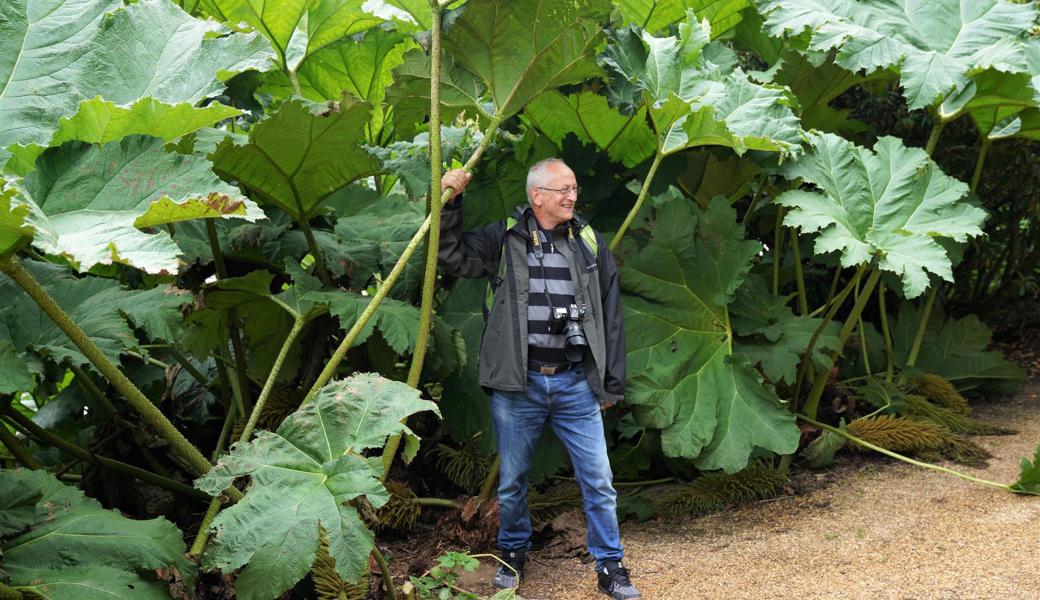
(604, 591)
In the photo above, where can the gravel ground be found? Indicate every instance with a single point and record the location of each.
(867, 529)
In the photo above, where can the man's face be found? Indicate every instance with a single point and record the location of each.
(551, 207)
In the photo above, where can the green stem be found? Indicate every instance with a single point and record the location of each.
(754, 203)
(813, 402)
(433, 237)
(9, 593)
(643, 192)
(17, 450)
(298, 324)
(190, 368)
(103, 403)
(199, 545)
(830, 293)
(442, 502)
(391, 278)
(778, 254)
(977, 174)
(805, 367)
(225, 431)
(803, 300)
(898, 456)
(864, 351)
(238, 391)
(86, 455)
(148, 360)
(886, 333)
(922, 326)
(933, 136)
(384, 569)
(319, 258)
(151, 414)
(488, 487)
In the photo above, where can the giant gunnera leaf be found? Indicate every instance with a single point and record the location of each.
(694, 94)
(512, 50)
(58, 544)
(91, 204)
(58, 53)
(682, 378)
(936, 46)
(300, 154)
(889, 204)
(304, 477)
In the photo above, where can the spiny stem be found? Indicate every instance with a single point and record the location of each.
(886, 333)
(813, 401)
(9, 593)
(319, 258)
(151, 414)
(488, 488)
(225, 431)
(384, 569)
(199, 545)
(799, 277)
(922, 327)
(977, 174)
(239, 390)
(86, 455)
(643, 193)
(391, 278)
(17, 450)
(442, 502)
(778, 250)
(103, 403)
(898, 456)
(933, 136)
(433, 237)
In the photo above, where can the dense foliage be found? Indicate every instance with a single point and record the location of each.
(210, 216)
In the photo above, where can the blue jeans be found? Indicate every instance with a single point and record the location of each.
(572, 409)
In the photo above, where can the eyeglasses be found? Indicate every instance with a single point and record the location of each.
(567, 190)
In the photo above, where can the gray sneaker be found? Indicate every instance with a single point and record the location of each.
(508, 578)
(614, 581)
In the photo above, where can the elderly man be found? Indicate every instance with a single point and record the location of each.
(553, 350)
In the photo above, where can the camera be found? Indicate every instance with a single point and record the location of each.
(568, 322)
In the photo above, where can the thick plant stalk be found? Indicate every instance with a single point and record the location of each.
(312, 245)
(17, 450)
(225, 431)
(799, 277)
(805, 368)
(238, 393)
(214, 506)
(886, 333)
(933, 136)
(898, 456)
(643, 193)
(977, 174)
(9, 593)
(813, 401)
(864, 351)
(488, 488)
(391, 278)
(434, 235)
(915, 349)
(151, 414)
(109, 463)
(384, 570)
(88, 384)
(202, 536)
(778, 251)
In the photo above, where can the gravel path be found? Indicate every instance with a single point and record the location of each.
(872, 529)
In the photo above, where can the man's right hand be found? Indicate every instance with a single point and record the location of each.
(457, 180)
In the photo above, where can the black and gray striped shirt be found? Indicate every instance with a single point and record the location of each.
(549, 274)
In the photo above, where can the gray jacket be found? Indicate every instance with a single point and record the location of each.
(503, 363)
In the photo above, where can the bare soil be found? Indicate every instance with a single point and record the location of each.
(868, 528)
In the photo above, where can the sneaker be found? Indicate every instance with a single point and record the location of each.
(505, 577)
(614, 581)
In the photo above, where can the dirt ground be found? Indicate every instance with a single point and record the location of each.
(866, 529)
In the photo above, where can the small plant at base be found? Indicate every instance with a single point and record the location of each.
(439, 582)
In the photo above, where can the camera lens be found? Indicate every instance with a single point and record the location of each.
(574, 341)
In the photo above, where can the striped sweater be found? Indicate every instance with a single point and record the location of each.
(550, 286)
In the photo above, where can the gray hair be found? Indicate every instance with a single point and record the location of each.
(538, 173)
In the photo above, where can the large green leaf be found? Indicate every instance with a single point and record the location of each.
(773, 337)
(63, 545)
(694, 95)
(376, 239)
(936, 46)
(361, 67)
(461, 91)
(300, 154)
(398, 321)
(957, 350)
(58, 53)
(682, 379)
(14, 230)
(101, 307)
(626, 138)
(303, 478)
(1028, 481)
(297, 29)
(889, 205)
(90, 203)
(654, 15)
(99, 122)
(520, 48)
(14, 374)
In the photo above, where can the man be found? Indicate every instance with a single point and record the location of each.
(535, 367)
